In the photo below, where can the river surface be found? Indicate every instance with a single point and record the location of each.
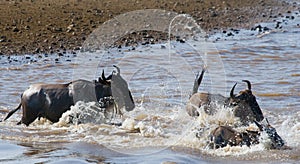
(160, 77)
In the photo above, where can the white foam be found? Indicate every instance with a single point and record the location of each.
(83, 112)
(152, 126)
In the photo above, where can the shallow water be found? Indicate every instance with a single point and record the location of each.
(161, 79)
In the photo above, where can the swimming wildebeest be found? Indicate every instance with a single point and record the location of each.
(52, 100)
(244, 104)
(226, 135)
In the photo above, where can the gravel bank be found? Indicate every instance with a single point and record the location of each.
(59, 26)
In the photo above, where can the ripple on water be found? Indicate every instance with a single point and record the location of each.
(9, 152)
(273, 94)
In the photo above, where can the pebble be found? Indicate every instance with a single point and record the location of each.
(15, 29)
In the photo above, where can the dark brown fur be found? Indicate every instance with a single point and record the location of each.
(244, 105)
(226, 135)
(52, 100)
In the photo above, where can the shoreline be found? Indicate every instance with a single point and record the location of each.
(60, 26)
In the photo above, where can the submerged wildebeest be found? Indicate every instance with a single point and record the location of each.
(226, 135)
(52, 100)
(244, 104)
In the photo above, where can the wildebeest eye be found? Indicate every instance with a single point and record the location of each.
(233, 103)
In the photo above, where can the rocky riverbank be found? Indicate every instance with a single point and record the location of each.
(59, 26)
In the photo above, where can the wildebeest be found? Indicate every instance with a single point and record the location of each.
(244, 104)
(52, 100)
(226, 135)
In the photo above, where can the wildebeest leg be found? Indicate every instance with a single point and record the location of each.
(40, 114)
(12, 112)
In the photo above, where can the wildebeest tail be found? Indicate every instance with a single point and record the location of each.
(12, 112)
(197, 81)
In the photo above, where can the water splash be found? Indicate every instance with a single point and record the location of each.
(82, 113)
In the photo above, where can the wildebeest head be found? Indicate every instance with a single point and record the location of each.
(245, 105)
(103, 83)
(120, 91)
(117, 88)
(276, 141)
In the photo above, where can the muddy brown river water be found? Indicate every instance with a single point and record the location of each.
(160, 77)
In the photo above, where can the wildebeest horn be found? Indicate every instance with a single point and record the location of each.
(103, 76)
(232, 91)
(118, 69)
(103, 79)
(248, 83)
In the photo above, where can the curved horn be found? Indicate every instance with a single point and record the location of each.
(103, 76)
(118, 69)
(248, 83)
(232, 91)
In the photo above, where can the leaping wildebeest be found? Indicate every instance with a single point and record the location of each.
(52, 100)
(244, 104)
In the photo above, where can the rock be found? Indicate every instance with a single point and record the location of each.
(230, 34)
(27, 27)
(57, 29)
(3, 39)
(76, 48)
(15, 29)
(37, 50)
